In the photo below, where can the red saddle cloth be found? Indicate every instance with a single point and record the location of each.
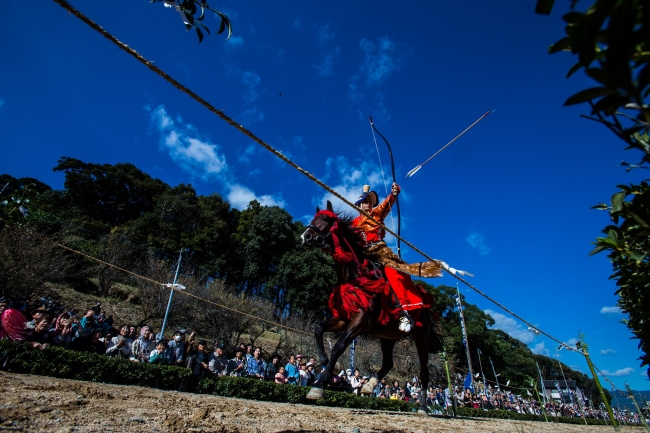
(349, 298)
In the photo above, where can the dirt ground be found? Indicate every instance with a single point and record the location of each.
(43, 404)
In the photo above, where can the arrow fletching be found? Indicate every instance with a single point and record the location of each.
(412, 172)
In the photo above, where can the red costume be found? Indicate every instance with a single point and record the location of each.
(410, 297)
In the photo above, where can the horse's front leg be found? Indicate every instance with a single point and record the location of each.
(333, 324)
(353, 330)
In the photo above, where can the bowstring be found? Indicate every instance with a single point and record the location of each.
(383, 178)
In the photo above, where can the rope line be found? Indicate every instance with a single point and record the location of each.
(240, 128)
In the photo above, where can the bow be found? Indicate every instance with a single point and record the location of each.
(392, 166)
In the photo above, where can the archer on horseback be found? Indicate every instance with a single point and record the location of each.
(396, 270)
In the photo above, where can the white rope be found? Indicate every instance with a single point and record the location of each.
(381, 167)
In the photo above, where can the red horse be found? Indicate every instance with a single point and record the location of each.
(361, 303)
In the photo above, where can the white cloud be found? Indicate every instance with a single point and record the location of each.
(194, 154)
(540, 349)
(240, 196)
(251, 80)
(325, 67)
(477, 241)
(620, 372)
(610, 310)
(234, 42)
(325, 35)
(608, 352)
(203, 159)
(348, 180)
(379, 60)
(644, 373)
(511, 327)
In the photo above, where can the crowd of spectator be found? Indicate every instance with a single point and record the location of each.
(46, 323)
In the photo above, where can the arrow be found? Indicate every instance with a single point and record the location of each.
(416, 169)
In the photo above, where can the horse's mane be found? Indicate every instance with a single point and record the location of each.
(353, 235)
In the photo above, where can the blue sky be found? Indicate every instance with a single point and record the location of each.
(509, 201)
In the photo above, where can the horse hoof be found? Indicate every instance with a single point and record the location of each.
(315, 393)
(422, 412)
(369, 387)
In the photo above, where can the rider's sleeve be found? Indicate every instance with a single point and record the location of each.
(382, 210)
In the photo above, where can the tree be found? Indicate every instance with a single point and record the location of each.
(612, 43)
(108, 195)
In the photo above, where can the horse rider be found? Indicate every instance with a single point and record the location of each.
(396, 270)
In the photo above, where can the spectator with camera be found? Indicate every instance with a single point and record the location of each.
(237, 366)
(198, 359)
(91, 343)
(40, 335)
(144, 345)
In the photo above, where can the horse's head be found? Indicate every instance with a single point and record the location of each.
(319, 231)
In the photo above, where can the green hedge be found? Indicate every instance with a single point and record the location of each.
(19, 357)
(252, 389)
(506, 414)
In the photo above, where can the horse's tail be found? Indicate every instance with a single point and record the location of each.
(436, 343)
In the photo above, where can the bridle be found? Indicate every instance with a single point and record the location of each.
(320, 239)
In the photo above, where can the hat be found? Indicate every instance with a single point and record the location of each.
(238, 349)
(3, 300)
(203, 343)
(367, 193)
(276, 355)
(97, 330)
(348, 371)
(41, 309)
(298, 356)
(366, 377)
(310, 363)
(219, 346)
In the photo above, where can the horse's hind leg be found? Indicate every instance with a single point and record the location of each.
(421, 338)
(330, 325)
(386, 365)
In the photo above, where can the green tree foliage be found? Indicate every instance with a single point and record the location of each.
(125, 217)
(611, 41)
(108, 195)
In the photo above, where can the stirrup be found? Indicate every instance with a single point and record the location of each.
(405, 322)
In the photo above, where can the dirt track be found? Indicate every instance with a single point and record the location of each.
(43, 404)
